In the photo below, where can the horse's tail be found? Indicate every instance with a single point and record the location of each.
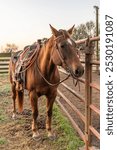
(20, 99)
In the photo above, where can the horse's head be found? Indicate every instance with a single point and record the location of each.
(65, 52)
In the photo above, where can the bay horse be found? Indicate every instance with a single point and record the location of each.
(42, 77)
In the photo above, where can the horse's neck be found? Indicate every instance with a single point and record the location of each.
(47, 67)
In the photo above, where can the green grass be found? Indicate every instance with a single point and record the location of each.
(3, 116)
(69, 140)
(5, 88)
(21, 121)
(3, 141)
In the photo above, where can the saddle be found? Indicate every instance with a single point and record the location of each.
(23, 60)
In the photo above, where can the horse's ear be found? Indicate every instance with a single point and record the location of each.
(54, 31)
(71, 29)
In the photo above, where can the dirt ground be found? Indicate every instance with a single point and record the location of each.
(80, 105)
(17, 134)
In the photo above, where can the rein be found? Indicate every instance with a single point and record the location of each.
(33, 58)
(29, 63)
(52, 84)
(63, 61)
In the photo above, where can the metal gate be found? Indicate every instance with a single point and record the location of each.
(89, 106)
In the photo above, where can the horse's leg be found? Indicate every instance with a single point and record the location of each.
(14, 99)
(34, 102)
(49, 106)
(20, 99)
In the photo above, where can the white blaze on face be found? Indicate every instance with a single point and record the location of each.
(69, 41)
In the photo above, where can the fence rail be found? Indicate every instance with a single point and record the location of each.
(4, 62)
(87, 100)
(89, 106)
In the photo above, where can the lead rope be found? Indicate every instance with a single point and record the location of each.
(51, 84)
(76, 83)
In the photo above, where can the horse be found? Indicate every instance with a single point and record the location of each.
(42, 77)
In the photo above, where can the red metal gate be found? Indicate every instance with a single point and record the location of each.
(89, 106)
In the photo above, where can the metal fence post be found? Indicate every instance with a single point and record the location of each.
(88, 92)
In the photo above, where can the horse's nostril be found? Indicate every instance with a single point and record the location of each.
(77, 72)
(83, 71)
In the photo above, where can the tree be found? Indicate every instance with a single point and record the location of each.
(11, 47)
(84, 30)
(90, 27)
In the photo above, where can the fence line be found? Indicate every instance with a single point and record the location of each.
(87, 100)
(89, 106)
(4, 62)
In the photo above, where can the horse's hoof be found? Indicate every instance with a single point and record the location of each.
(36, 136)
(14, 116)
(51, 136)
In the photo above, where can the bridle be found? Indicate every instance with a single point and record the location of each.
(63, 62)
(34, 57)
(67, 68)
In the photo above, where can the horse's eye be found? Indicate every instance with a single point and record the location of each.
(62, 46)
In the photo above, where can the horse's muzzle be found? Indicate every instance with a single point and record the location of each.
(78, 72)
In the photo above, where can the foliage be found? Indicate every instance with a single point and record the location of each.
(11, 47)
(84, 30)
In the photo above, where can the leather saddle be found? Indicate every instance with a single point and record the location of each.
(22, 59)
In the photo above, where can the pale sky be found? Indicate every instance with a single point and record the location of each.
(25, 21)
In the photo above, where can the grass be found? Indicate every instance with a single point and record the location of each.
(3, 116)
(5, 89)
(67, 136)
(69, 140)
(3, 141)
(20, 121)
(4, 92)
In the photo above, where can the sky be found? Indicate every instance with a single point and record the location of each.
(25, 21)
